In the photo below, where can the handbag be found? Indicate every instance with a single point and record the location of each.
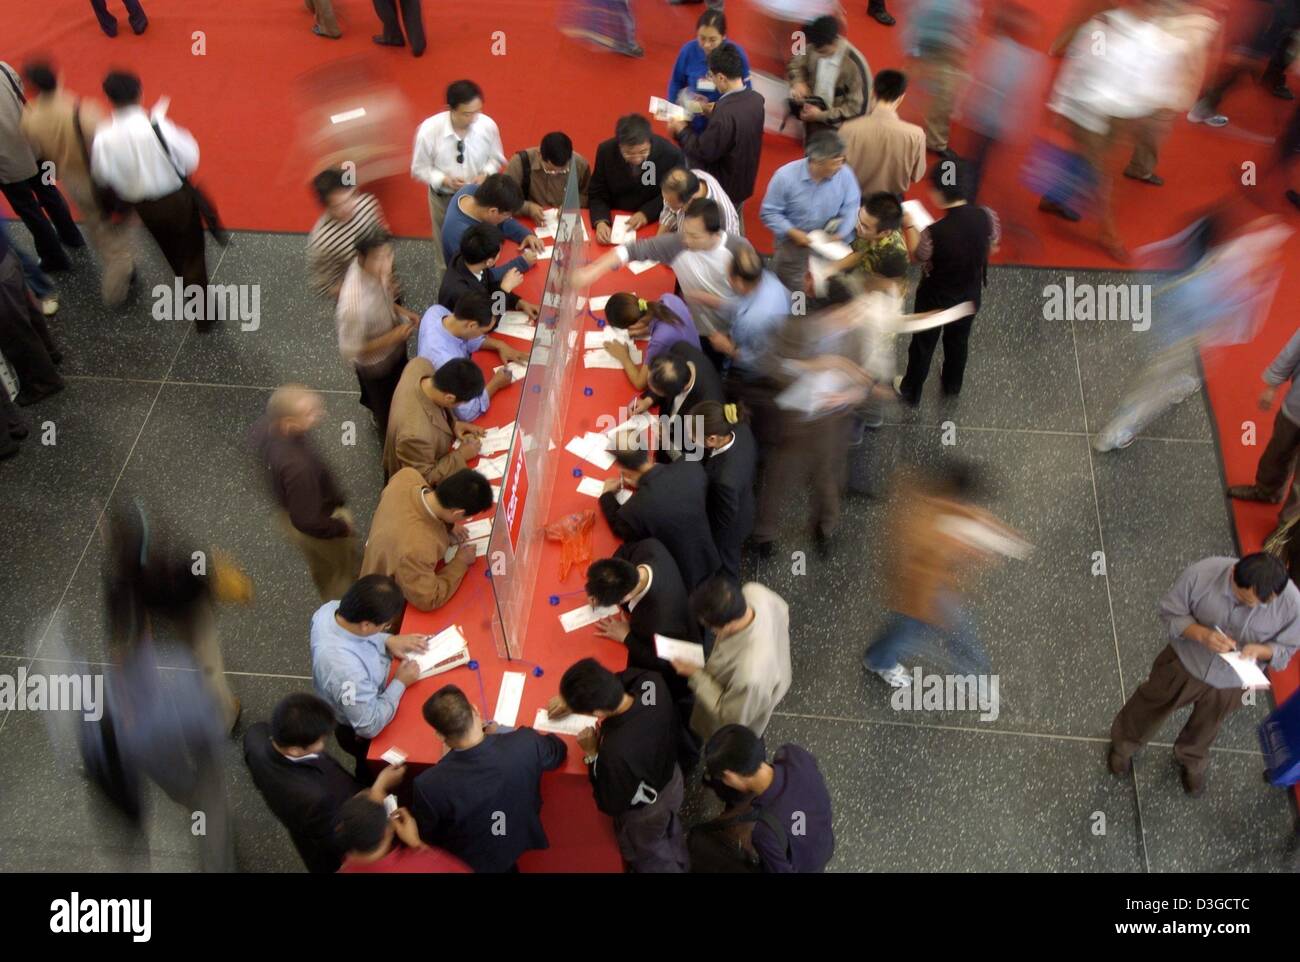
(207, 210)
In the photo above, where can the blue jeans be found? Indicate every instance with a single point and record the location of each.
(905, 636)
(37, 279)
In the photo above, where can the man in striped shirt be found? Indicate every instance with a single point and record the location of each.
(349, 215)
(682, 186)
(373, 329)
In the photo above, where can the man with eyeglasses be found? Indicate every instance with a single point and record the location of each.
(542, 174)
(459, 146)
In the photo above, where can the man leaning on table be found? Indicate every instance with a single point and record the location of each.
(422, 430)
(414, 526)
(1218, 606)
(352, 652)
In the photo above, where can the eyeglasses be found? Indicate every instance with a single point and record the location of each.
(460, 151)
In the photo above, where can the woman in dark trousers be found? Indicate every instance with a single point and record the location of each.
(731, 463)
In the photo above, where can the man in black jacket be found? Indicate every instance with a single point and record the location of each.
(303, 786)
(669, 504)
(627, 175)
(643, 580)
(730, 145)
(483, 801)
(470, 270)
(679, 379)
(631, 760)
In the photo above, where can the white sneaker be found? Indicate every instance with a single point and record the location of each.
(1198, 115)
(896, 677)
(898, 384)
(50, 306)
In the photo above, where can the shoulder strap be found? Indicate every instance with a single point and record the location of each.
(167, 151)
(525, 172)
(9, 75)
(81, 134)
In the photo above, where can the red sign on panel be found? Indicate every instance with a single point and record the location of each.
(514, 494)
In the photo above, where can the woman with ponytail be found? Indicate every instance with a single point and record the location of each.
(665, 321)
(720, 434)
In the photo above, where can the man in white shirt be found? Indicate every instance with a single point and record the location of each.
(459, 146)
(128, 156)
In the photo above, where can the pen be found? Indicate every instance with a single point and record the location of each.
(1220, 631)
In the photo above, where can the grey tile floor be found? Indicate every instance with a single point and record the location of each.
(153, 410)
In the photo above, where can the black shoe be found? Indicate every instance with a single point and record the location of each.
(1117, 764)
(631, 50)
(765, 549)
(1281, 91)
(109, 31)
(822, 543)
(881, 15)
(1060, 210)
(76, 242)
(141, 27)
(18, 430)
(1193, 785)
(1293, 197)
(28, 398)
(386, 42)
(7, 451)
(53, 267)
(1252, 492)
(1155, 180)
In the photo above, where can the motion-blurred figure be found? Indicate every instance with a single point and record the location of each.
(938, 36)
(780, 21)
(1273, 22)
(938, 536)
(412, 19)
(1220, 300)
(605, 23)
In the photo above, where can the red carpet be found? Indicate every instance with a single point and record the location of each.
(242, 99)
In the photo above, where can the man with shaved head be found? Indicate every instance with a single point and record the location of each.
(310, 504)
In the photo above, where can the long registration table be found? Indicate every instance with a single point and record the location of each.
(581, 838)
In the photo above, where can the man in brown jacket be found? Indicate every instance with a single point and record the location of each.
(414, 526)
(422, 430)
(832, 70)
(50, 124)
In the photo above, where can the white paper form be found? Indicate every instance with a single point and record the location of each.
(921, 218)
(508, 698)
(601, 358)
(598, 303)
(592, 487)
(491, 468)
(674, 649)
(516, 324)
(1247, 669)
(446, 644)
(589, 449)
(497, 439)
(640, 267)
(568, 725)
(518, 370)
(584, 616)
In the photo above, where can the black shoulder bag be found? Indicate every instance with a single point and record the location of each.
(207, 211)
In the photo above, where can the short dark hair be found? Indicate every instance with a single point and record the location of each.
(610, 580)
(326, 182)
(361, 824)
(375, 598)
(892, 263)
(467, 490)
(889, 85)
(589, 686)
(41, 76)
(121, 88)
(747, 265)
(669, 372)
(822, 31)
(632, 458)
(708, 211)
(1262, 573)
(885, 208)
(474, 306)
(301, 720)
(462, 92)
(950, 178)
(448, 712)
(556, 148)
(726, 60)
(480, 243)
(733, 748)
(461, 378)
(631, 129)
(372, 241)
(499, 191)
(718, 601)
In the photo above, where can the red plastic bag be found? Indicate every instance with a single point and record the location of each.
(573, 531)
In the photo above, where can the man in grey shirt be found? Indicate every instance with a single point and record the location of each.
(1278, 460)
(1217, 606)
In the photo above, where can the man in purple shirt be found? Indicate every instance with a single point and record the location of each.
(786, 799)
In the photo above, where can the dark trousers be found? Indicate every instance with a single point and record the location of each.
(1168, 688)
(377, 387)
(11, 423)
(1276, 41)
(651, 838)
(45, 212)
(1278, 460)
(956, 339)
(175, 225)
(25, 339)
(411, 17)
(812, 456)
(358, 748)
(108, 22)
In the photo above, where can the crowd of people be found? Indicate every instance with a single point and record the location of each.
(766, 371)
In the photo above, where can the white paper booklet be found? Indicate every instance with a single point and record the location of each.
(921, 218)
(828, 245)
(674, 649)
(661, 109)
(1247, 669)
(586, 615)
(497, 439)
(447, 650)
(568, 725)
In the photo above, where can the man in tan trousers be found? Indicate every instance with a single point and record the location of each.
(50, 123)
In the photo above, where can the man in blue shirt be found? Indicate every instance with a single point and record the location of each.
(352, 651)
(495, 202)
(445, 335)
(816, 193)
